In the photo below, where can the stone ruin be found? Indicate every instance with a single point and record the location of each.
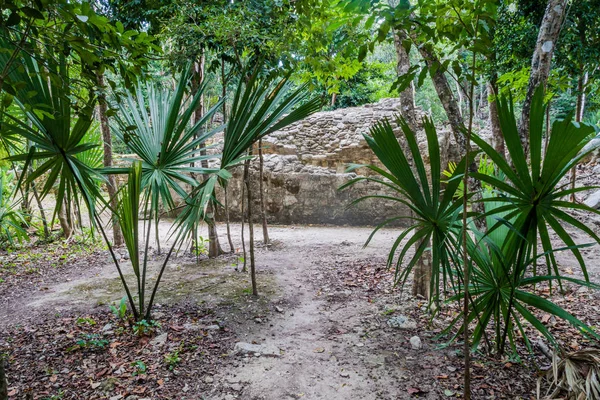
(306, 163)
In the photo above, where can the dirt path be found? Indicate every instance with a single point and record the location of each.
(319, 329)
(323, 337)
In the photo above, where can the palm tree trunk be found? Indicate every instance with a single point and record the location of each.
(214, 247)
(263, 213)
(64, 221)
(107, 146)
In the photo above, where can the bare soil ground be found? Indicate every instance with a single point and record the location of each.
(319, 328)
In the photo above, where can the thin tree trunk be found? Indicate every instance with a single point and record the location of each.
(214, 247)
(263, 211)
(157, 236)
(497, 136)
(333, 98)
(541, 61)
(422, 274)
(251, 232)
(243, 215)
(227, 219)
(579, 109)
(407, 98)
(42, 212)
(25, 205)
(445, 94)
(111, 186)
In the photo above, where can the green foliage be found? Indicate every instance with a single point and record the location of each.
(164, 137)
(145, 327)
(57, 131)
(261, 105)
(91, 342)
(172, 360)
(199, 246)
(485, 167)
(12, 218)
(523, 203)
(121, 311)
(531, 192)
(501, 291)
(435, 219)
(139, 368)
(86, 321)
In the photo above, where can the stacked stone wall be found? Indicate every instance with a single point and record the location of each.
(305, 165)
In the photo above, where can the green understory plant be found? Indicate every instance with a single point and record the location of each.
(12, 218)
(523, 201)
(157, 126)
(435, 210)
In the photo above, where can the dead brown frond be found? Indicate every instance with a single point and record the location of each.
(574, 377)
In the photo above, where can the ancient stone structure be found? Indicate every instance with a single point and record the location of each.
(305, 165)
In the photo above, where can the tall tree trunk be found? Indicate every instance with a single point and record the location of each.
(263, 211)
(111, 186)
(497, 136)
(214, 247)
(333, 98)
(251, 233)
(227, 220)
(422, 269)
(541, 61)
(579, 109)
(243, 214)
(407, 97)
(445, 94)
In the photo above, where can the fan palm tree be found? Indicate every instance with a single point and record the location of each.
(435, 210)
(155, 124)
(56, 129)
(261, 105)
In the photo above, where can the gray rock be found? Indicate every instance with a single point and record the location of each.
(415, 343)
(401, 322)
(236, 387)
(209, 379)
(593, 200)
